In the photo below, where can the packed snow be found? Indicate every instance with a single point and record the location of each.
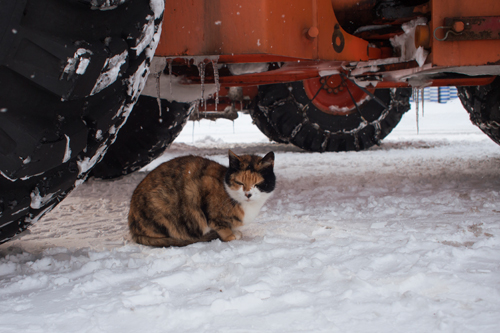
(403, 237)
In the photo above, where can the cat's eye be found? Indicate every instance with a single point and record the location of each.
(238, 183)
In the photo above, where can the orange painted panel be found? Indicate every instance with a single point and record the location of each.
(254, 27)
(355, 49)
(463, 53)
(226, 27)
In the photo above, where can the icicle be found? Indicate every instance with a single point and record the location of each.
(196, 112)
(217, 84)
(158, 100)
(423, 98)
(193, 133)
(170, 75)
(416, 94)
(201, 70)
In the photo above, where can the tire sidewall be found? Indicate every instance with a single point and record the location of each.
(101, 113)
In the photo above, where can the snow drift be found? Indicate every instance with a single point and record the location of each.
(402, 237)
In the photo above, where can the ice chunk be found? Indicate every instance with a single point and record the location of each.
(216, 79)
(78, 63)
(37, 200)
(109, 72)
(406, 42)
(67, 153)
(421, 55)
(250, 68)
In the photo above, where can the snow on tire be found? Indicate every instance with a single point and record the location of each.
(145, 136)
(483, 105)
(71, 72)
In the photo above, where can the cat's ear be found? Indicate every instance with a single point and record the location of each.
(234, 160)
(267, 161)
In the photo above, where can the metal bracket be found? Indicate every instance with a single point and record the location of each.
(470, 28)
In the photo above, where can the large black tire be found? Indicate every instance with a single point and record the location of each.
(70, 72)
(285, 111)
(145, 136)
(483, 105)
(261, 120)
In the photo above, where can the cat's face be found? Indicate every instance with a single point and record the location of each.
(250, 178)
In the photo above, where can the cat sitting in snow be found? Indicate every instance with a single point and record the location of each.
(193, 199)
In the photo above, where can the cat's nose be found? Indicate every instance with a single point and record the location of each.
(248, 195)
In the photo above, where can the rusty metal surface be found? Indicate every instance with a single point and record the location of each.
(468, 52)
(473, 28)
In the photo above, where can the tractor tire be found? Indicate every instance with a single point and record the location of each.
(289, 114)
(483, 105)
(71, 72)
(262, 122)
(146, 135)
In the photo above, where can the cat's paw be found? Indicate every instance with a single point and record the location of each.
(237, 234)
(228, 235)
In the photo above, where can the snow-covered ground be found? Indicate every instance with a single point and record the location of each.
(404, 237)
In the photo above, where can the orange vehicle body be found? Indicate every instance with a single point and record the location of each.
(308, 40)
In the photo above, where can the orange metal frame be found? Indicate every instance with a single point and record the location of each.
(267, 29)
(306, 36)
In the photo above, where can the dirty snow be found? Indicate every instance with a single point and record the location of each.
(400, 238)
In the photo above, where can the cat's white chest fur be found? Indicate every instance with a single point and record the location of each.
(251, 206)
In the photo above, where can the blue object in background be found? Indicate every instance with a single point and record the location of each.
(438, 94)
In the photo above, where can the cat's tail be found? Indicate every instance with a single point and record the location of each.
(167, 242)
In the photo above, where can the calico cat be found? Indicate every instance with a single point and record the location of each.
(192, 199)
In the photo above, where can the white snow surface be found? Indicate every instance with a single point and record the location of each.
(404, 237)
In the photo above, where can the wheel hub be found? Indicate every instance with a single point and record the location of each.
(335, 96)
